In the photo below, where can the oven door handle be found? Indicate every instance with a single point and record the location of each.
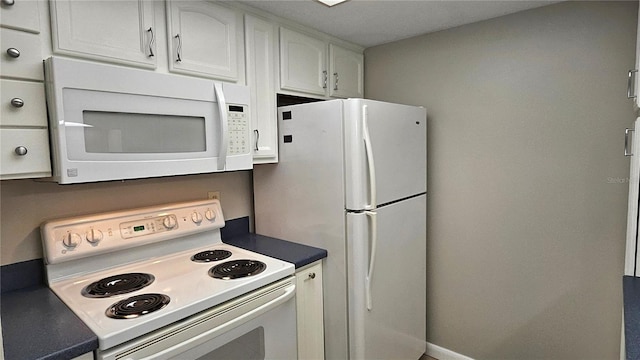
(177, 349)
(224, 129)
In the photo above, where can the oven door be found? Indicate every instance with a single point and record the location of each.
(259, 325)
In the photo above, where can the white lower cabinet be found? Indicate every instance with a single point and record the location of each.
(260, 45)
(310, 310)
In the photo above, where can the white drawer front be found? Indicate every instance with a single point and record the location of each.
(22, 15)
(28, 65)
(33, 111)
(35, 163)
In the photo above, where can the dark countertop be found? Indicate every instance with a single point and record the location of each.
(237, 234)
(631, 287)
(36, 324)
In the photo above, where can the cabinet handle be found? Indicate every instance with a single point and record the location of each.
(179, 58)
(335, 87)
(13, 52)
(324, 74)
(627, 152)
(630, 84)
(8, 2)
(17, 102)
(257, 137)
(20, 151)
(311, 276)
(153, 39)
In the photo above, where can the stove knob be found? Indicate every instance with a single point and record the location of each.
(169, 222)
(71, 240)
(196, 217)
(94, 236)
(210, 215)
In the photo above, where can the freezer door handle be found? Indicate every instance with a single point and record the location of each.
(627, 132)
(370, 163)
(373, 235)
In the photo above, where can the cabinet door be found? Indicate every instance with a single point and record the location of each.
(303, 62)
(26, 59)
(115, 31)
(346, 72)
(310, 312)
(20, 15)
(260, 55)
(204, 39)
(24, 153)
(22, 104)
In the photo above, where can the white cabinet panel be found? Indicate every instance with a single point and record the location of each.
(116, 31)
(310, 312)
(346, 72)
(33, 144)
(260, 42)
(22, 104)
(303, 62)
(26, 62)
(21, 15)
(204, 39)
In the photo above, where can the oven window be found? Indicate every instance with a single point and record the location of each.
(249, 346)
(119, 132)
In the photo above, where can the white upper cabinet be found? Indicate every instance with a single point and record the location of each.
(205, 39)
(115, 31)
(346, 72)
(260, 51)
(303, 63)
(312, 66)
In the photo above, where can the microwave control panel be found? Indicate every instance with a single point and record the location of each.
(238, 120)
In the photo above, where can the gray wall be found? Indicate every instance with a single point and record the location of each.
(24, 204)
(527, 192)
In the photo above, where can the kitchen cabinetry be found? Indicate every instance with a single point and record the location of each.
(205, 39)
(115, 31)
(24, 139)
(347, 72)
(303, 67)
(310, 312)
(260, 45)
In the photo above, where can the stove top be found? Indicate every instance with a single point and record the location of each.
(128, 292)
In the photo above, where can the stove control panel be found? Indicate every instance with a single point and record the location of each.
(84, 236)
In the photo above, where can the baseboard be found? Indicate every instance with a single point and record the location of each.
(441, 353)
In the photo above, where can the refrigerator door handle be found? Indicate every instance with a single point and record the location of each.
(372, 256)
(370, 163)
(627, 152)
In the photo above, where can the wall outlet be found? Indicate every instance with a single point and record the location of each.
(213, 195)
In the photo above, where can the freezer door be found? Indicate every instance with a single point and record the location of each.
(387, 281)
(385, 152)
(632, 256)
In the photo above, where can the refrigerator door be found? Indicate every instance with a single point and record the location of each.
(386, 256)
(385, 152)
(631, 258)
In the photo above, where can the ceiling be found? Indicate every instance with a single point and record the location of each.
(374, 22)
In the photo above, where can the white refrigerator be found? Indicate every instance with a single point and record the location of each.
(351, 179)
(632, 149)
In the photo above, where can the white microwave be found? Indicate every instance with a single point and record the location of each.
(112, 123)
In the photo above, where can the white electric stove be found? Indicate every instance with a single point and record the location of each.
(140, 276)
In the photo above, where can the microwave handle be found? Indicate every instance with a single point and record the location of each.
(224, 134)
